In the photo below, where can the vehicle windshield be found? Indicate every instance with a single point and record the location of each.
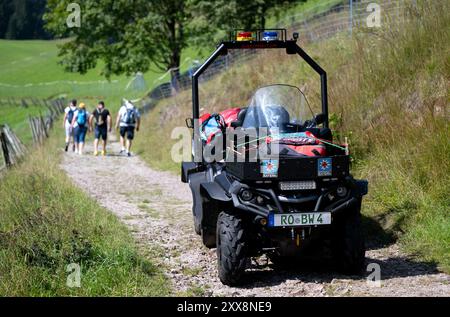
(283, 107)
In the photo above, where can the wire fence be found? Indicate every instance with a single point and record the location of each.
(342, 18)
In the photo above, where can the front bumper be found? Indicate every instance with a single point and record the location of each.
(267, 200)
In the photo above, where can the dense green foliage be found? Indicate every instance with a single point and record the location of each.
(214, 19)
(130, 36)
(22, 19)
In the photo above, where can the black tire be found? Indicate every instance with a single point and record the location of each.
(208, 237)
(348, 247)
(231, 249)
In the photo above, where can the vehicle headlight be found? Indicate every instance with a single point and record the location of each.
(341, 191)
(246, 195)
(298, 185)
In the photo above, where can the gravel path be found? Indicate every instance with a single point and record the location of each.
(156, 207)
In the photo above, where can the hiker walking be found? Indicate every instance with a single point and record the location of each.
(102, 126)
(129, 119)
(80, 127)
(67, 123)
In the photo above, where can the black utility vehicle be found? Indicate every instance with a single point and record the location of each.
(282, 188)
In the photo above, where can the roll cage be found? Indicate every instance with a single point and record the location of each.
(291, 48)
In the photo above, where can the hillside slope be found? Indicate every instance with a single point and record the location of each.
(388, 93)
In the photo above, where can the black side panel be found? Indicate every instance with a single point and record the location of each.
(215, 192)
(210, 206)
(194, 183)
(186, 169)
(362, 187)
(224, 182)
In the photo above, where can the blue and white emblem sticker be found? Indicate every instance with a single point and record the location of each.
(269, 168)
(324, 167)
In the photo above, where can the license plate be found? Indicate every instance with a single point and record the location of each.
(299, 219)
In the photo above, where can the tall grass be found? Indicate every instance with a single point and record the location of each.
(403, 143)
(46, 224)
(389, 94)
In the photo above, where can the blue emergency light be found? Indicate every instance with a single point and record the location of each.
(270, 36)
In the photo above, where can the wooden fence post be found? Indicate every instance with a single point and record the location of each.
(33, 132)
(12, 148)
(43, 126)
(24, 103)
(4, 147)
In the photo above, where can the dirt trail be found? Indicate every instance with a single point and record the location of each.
(156, 207)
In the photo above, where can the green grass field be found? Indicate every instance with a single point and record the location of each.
(31, 69)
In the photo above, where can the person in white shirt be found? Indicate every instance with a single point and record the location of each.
(128, 120)
(67, 123)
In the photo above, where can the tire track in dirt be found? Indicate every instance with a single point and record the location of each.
(156, 207)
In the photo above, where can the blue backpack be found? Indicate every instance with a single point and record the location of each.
(81, 118)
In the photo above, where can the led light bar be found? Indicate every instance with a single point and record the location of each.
(298, 185)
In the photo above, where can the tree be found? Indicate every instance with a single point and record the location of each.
(127, 35)
(22, 19)
(136, 35)
(225, 15)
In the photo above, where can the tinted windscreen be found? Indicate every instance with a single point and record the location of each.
(277, 106)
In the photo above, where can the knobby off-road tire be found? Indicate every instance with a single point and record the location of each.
(347, 242)
(231, 249)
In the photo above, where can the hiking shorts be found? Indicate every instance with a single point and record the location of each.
(129, 131)
(101, 131)
(80, 134)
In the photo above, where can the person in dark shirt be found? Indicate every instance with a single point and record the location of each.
(102, 119)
